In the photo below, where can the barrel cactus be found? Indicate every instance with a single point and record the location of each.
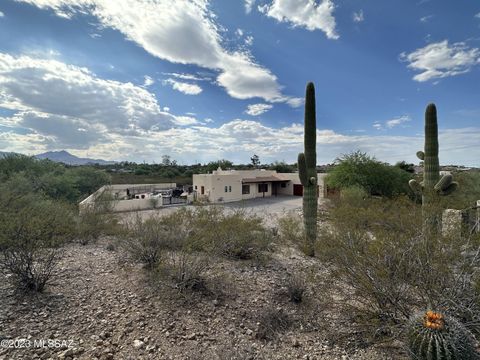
(434, 336)
(307, 169)
(432, 186)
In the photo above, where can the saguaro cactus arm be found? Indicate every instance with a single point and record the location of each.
(415, 186)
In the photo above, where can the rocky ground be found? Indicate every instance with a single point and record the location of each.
(98, 307)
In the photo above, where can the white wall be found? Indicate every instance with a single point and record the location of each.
(215, 183)
(121, 190)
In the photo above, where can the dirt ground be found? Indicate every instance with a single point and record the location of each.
(100, 307)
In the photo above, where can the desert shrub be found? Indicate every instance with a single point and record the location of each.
(271, 323)
(97, 219)
(234, 235)
(183, 271)
(354, 195)
(291, 229)
(144, 241)
(33, 231)
(296, 287)
(383, 269)
(376, 178)
(54, 180)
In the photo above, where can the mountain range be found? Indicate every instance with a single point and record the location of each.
(66, 158)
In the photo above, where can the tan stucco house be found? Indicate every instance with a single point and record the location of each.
(235, 185)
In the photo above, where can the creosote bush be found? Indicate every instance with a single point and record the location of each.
(97, 220)
(383, 269)
(33, 231)
(291, 229)
(183, 271)
(231, 234)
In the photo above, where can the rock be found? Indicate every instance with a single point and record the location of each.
(249, 332)
(137, 344)
(191, 336)
(295, 343)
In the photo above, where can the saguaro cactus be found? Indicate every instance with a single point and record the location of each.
(433, 336)
(432, 185)
(307, 169)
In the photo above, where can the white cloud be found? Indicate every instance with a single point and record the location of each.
(185, 120)
(399, 120)
(249, 5)
(148, 81)
(478, 15)
(179, 31)
(187, 76)
(257, 109)
(69, 105)
(1, 14)
(440, 60)
(304, 13)
(239, 32)
(249, 40)
(358, 16)
(425, 19)
(186, 88)
(238, 139)
(295, 102)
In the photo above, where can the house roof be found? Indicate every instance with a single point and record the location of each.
(261, 179)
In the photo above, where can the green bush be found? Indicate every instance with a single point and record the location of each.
(97, 219)
(354, 195)
(144, 241)
(33, 231)
(383, 270)
(376, 178)
(231, 234)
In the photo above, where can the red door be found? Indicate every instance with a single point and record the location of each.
(297, 189)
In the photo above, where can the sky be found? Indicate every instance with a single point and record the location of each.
(203, 80)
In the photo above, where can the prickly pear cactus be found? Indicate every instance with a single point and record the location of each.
(307, 169)
(432, 186)
(433, 336)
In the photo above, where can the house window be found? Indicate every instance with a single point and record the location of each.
(283, 185)
(202, 190)
(226, 188)
(262, 188)
(229, 189)
(245, 189)
(195, 187)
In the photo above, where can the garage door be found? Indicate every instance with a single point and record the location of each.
(297, 189)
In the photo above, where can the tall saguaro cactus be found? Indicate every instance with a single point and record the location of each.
(432, 185)
(307, 169)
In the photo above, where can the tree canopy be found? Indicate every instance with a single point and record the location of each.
(357, 169)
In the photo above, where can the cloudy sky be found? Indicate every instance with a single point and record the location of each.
(203, 80)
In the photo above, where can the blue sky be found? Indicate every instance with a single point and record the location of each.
(203, 80)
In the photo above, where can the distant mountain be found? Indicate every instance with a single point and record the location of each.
(69, 159)
(3, 153)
